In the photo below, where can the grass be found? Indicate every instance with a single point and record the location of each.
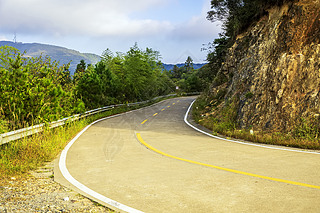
(31, 152)
(19, 157)
(223, 121)
(276, 138)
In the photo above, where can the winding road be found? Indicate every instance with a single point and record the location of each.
(150, 160)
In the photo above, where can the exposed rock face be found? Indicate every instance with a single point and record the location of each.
(275, 68)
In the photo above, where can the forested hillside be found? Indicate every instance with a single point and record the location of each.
(36, 89)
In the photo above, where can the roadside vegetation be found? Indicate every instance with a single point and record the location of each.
(122, 77)
(219, 114)
(38, 90)
(188, 79)
(222, 121)
(19, 157)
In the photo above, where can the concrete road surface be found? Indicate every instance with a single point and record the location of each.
(150, 160)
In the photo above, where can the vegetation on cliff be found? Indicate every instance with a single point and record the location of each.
(238, 15)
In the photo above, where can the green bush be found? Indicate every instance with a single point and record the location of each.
(34, 90)
(307, 129)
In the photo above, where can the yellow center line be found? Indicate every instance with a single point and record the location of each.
(222, 168)
(155, 114)
(168, 106)
(163, 109)
(173, 103)
(143, 122)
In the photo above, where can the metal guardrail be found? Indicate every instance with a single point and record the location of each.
(21, 133)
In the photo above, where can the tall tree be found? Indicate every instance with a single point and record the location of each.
(176, 72)
(80, 70)
(189, 64)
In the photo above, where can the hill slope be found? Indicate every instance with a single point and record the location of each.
(61, 54)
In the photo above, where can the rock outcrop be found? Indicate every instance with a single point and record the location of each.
(274, 68)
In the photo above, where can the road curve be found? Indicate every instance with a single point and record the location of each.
(150, 160)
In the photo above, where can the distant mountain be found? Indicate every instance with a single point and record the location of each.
(65, 55)
(195, 66)
(61, 54)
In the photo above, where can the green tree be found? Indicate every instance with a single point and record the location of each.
(124, 77)
(189, 65)
(80, 71)
(89, 89)
(142, 70)
(176, 72)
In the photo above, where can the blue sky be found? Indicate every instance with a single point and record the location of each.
(175, 28)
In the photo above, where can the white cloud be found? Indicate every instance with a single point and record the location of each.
(198, 26)
(67, 17)
(97, 18)
(94, 25)
(3, 38)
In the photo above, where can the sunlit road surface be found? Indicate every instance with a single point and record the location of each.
(152, 161)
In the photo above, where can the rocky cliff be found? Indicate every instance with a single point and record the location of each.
(274, 69)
